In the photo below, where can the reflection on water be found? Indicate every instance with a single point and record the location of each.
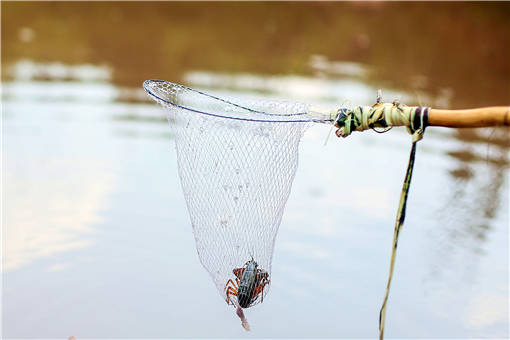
(92, 195)
(298, 87)
(28, 70)
(323, 66)
(51, 203)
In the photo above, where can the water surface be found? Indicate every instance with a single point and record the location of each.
(97, 241)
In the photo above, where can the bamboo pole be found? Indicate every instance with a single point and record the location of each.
(481, 117)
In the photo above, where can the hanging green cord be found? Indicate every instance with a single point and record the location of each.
(418, 123)
(401, 215)
(387, 115)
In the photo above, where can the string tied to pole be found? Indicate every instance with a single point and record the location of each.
(387, 115)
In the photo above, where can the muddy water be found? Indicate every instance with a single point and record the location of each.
(96, 236)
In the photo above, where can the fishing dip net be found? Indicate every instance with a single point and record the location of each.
(237, 159)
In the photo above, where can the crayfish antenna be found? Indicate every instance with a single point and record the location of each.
(244, 322)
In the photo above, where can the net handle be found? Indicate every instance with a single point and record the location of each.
(415, 118)
(470, 118)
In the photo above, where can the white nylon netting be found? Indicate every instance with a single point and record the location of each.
(236, 162)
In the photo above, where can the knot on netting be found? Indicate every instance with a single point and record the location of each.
(382, 115)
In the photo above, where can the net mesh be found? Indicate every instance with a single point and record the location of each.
(236, 161)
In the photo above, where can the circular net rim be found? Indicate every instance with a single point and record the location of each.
(151, 85)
